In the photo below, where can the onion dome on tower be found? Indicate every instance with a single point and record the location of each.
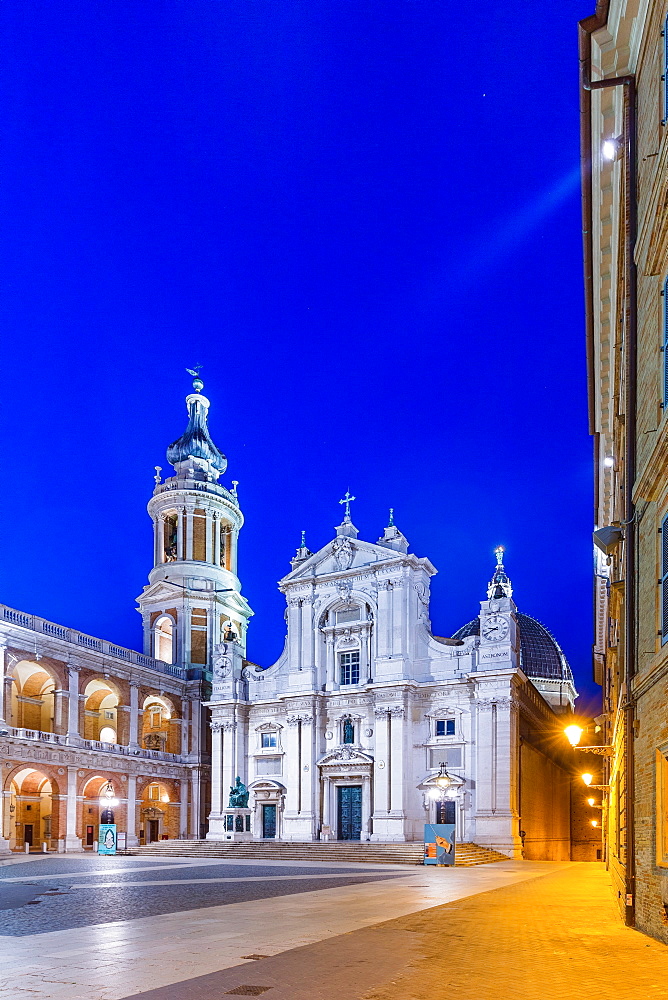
(194, 455)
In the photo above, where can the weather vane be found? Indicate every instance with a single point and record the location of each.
(498, 552)
(303, 539)
(197, 381)
(390, 523)
(347, 500)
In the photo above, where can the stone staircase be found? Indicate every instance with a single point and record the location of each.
(324, 852)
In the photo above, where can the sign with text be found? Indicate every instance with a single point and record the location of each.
(106, 838)
(439, 843)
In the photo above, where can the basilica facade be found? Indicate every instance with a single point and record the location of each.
(348, 736)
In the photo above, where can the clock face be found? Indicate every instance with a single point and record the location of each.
(495, 628)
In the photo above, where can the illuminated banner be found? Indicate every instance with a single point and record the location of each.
(439, 843)
(107, 838)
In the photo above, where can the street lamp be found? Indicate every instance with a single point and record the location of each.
(107, 802)
(573, 734)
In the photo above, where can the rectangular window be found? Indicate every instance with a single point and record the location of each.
(154, 792)
(349, 615)
(350, 667)
(108, 714)
(664, 580)
(268, 740)
(450, 756)
(268, 765)
(445, 727)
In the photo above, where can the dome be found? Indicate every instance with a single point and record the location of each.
(540, 653)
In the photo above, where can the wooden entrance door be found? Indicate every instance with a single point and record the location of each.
(153, 828)
(350, 812)
(27, 834)
(269, 822)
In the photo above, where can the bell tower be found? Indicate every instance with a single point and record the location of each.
(499, 639)
(193, 600)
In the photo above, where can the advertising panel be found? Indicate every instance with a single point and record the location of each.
(439, 843)
(107, 838)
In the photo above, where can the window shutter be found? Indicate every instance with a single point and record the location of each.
(664, 580)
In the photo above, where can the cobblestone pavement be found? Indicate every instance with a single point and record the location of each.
(283, 910)
(559, 936)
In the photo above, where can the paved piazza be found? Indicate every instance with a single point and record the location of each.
(107, 928)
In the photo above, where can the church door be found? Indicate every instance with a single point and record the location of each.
(153, 827)
(445, 812)
(269, 822)
(350, 812)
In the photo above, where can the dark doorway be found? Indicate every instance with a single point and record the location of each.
(153, 826)
(269, 822)
(27, 834)
(350, 812)
(445, 811)
(90, 839)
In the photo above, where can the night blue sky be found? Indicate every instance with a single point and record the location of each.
(362, 218)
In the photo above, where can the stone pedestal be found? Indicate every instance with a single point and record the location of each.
(236, 825)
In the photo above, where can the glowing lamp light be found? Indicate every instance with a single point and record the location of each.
(165, 798)
(591, 801)
(608, 462)
(594, 822)
(587, 778)
(573, 734)
(107, 798)
(443, 779)
(609, 149)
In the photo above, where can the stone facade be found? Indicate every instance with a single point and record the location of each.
(626, 245)
(365, 704)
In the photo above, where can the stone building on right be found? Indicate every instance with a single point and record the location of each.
(624, 104)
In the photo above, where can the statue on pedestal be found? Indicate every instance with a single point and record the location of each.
(238, 795)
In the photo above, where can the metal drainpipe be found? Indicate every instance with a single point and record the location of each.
(629, 84)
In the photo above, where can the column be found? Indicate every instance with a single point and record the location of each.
(216, 829)
(366, 808)
(189, 532)
(60, 711)
(3, 650)
(132, 838)
(5, 820)
(134, 715)
(291, 778)
(209, 520)
(308, 778)
(381, 775)
(195, 723)
(179, 534)
(194, 805)
(160, 540)
(330, 661)
(72, 842)
(7, 699)
(73, 736)
(397, 745)
(233, 541)
(185, 714)
(325, 801)
(216, 538)
(183, 810)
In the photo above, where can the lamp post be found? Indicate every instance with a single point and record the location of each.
(107, 802)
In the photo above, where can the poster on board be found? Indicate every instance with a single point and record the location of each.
(439, 843)
(107, 838)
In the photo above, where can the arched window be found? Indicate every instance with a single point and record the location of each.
(164, 640)
(107, 734)
(348, 731)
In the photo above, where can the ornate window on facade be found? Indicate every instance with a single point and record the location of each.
(445, 727)
(199, 535)
(268, 740)
(348, 615)
(348, 730)
(349, 664)
(268, 765)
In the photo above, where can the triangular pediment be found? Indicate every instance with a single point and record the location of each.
(161, 591)
(340, 555)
